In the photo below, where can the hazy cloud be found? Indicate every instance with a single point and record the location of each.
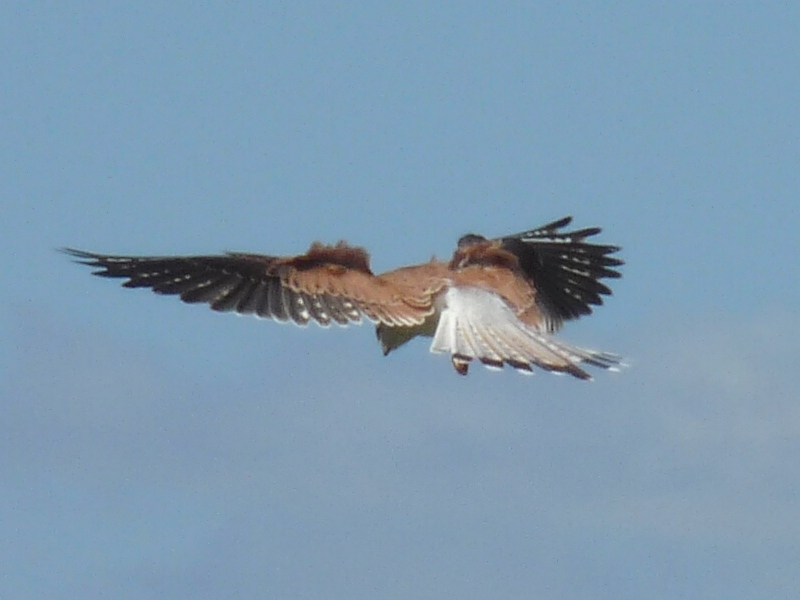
(366, 465)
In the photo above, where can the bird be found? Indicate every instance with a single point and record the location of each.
(497, 301)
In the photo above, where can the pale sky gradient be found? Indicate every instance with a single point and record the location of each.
(155, 450)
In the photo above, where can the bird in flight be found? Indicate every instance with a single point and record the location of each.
(498, 301)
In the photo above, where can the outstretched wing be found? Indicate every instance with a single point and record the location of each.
(564, 268)
(329, 284)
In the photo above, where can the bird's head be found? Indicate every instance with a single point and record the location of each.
(475, 249)
(470, 239)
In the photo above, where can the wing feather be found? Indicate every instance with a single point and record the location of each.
(565, 269)
(328, 284)
(210, 288)
(229, 299)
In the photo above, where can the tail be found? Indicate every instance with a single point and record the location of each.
(477, 324)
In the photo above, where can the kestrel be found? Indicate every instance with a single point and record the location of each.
(497, 300)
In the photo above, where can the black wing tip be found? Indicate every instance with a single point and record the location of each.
(566, 267)
(108, 265)
(82, 257)
(558, 224)
(554, 229)
(577, 238)
(582, 234)
(550, 228)
(75, 253)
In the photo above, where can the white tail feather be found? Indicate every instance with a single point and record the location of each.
(478, 324)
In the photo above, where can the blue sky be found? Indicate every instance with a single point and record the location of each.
(151, 449)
